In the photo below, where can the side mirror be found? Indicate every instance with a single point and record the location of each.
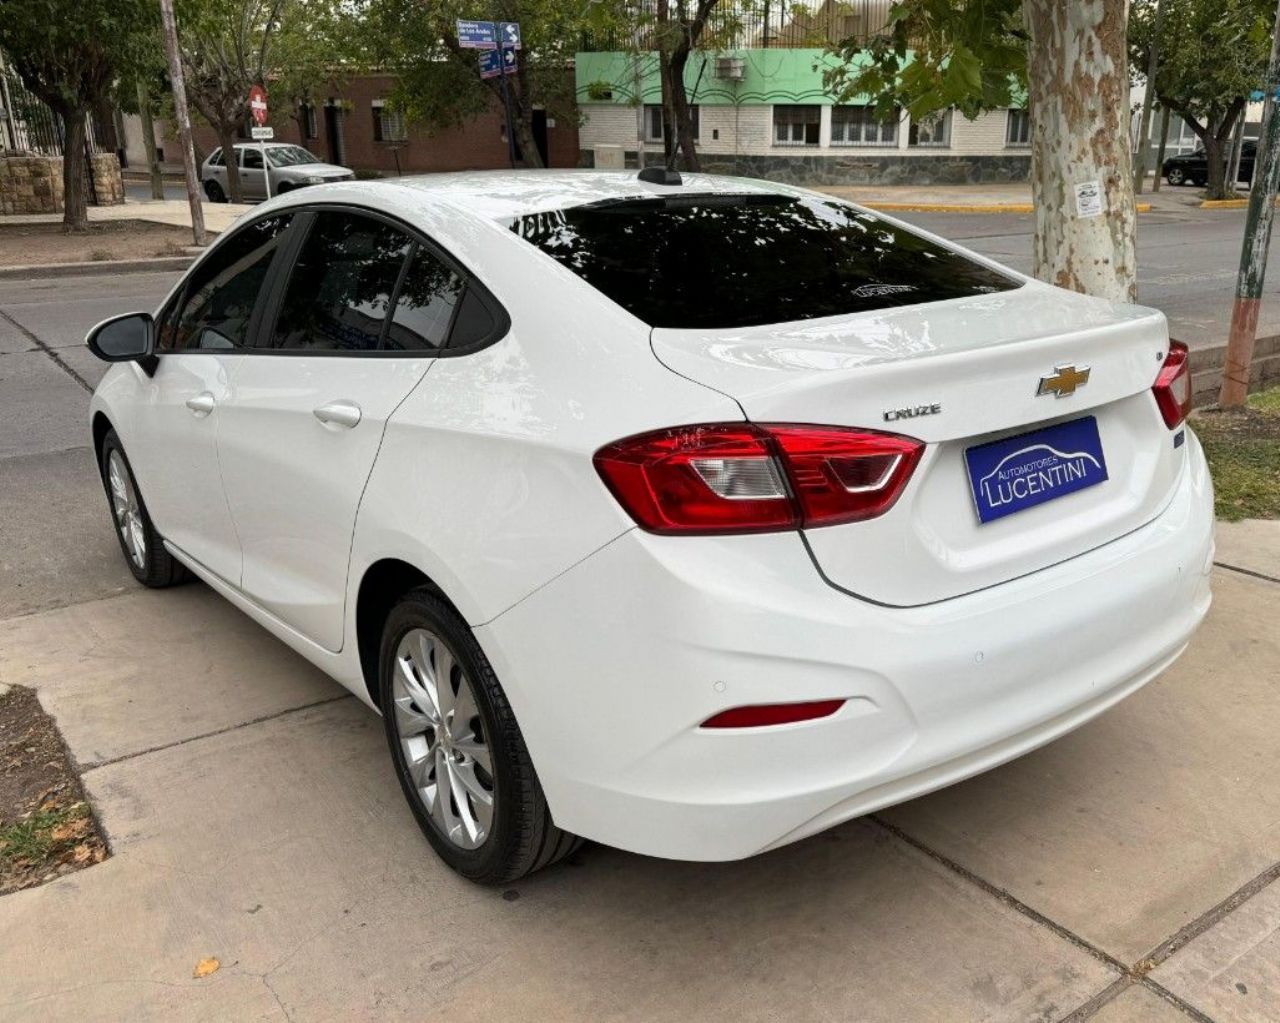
(127, 338)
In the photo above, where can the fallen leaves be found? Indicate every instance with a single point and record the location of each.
(205, 967)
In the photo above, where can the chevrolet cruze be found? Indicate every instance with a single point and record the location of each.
(690, 516)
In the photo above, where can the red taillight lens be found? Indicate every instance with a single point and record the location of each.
(747, 478)
(772, 714)
(1173, 386)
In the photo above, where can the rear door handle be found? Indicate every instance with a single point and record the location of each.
(202, 404)
(339, 413)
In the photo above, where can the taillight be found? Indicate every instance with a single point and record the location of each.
(749, 478)
(1173, 386)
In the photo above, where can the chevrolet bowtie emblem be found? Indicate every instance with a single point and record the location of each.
(1064, 381)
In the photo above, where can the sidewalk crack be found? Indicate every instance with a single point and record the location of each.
(48, 350)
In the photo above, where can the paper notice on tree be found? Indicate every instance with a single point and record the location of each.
(1089, 199)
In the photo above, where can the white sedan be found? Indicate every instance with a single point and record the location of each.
(690, 516)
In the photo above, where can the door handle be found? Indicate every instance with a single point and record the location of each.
(339, 413)
(202, 404)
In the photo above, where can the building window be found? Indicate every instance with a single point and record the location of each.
(796, 125)
(653, 121)
(388, 124)
(1018, 129)
(310, 126)
(931, 130)
(858, 126)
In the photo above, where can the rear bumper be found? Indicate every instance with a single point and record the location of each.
(612, 666)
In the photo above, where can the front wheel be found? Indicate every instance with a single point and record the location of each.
(457, 749)
(1175, 176)
(143, 547)
(214, 191)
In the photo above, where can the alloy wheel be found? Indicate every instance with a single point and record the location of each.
(124, 502)
(442, 738)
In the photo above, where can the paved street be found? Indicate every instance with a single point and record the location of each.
(1128, 872)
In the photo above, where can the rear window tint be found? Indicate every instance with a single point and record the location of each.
(707, 261)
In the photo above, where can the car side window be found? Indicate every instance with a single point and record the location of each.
(425, 305)
(339, 292)
(215, 159)
(250, 159)
(220, 295)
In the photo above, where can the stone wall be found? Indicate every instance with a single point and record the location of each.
(30, 184)
(33, 184)
(850, 168)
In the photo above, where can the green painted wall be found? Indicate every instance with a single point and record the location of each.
(769, 76)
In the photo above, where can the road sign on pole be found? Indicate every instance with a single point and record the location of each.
(477, 35)
(509, 34)
(258, 111)
(262, 134)
(509, 65)
(490, 63)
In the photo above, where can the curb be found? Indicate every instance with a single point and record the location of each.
(944, 207)
(100, 268)
(1227, 204)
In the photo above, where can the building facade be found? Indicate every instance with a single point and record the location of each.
(764, 112)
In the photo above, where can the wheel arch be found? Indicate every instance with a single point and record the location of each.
(383, 584)
(101, 427)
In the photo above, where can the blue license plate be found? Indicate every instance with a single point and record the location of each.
(1021, 472)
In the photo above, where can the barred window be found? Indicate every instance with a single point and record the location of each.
(796, 125)
(653, 121)
(309, 125)
(1018, 129)
(858, 126)
(388, 124)
(931, 130)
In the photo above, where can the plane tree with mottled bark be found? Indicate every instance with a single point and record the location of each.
(1070, 62)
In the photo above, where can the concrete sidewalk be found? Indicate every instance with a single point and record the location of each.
(1126, 872)
(217, 216)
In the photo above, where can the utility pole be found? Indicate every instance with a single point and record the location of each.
(1144, 132)
(1257, 240)
(1237, 145)
(184, 119)
(1164, 142)
(149, 140)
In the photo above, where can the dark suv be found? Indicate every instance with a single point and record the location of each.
(1193, 168)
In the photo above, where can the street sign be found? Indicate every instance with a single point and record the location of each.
(476, 35)
(262, 134)
(508, 62)
(258, 104)
(509, 34)
(490, 64)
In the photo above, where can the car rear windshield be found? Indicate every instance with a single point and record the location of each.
(715, 261)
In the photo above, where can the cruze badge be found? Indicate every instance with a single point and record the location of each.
(1064, 381)
(894, 414)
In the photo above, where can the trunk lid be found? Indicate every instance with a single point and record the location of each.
(958, 374)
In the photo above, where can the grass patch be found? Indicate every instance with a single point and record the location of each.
(45, 835)
(1243, 449)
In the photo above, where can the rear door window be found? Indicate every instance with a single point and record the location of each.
(339, 293)
(425, 305)
(725, 261)
(220, 295)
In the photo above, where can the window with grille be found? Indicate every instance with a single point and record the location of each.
(1018, 129)
(796, 125)
(931, 130)
(858, 126)
(653, 121)
(388, 124)
(309, 122)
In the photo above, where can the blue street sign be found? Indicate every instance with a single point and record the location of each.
(508, 61)
(490, 64)
(509, 34)
(476, 35)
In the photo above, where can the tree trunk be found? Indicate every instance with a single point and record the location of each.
(1078, 75)
(227, 139)
(680, 108)
(149, 140)
(523, 125)
(1216, 161)
(75, 212)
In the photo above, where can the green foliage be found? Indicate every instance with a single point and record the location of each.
(70, 52)
(933, 55)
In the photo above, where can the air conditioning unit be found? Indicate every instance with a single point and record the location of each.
(730, 67)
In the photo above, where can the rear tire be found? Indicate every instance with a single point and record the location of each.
(214, 191)
(457, 750)
(1175, 177)
(143, 548)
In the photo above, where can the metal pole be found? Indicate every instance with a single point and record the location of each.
(266, 170)
(1144, 132)
(1257, 240)
(506, 106)
(1237, 144)
(184, 120)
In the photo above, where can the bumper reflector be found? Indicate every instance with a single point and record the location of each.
(772, 714)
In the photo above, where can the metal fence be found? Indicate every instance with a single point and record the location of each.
(26, 124)
(761, 24)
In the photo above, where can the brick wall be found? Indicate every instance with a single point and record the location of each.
(479, 144)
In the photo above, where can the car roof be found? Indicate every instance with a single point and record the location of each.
(505, 195)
